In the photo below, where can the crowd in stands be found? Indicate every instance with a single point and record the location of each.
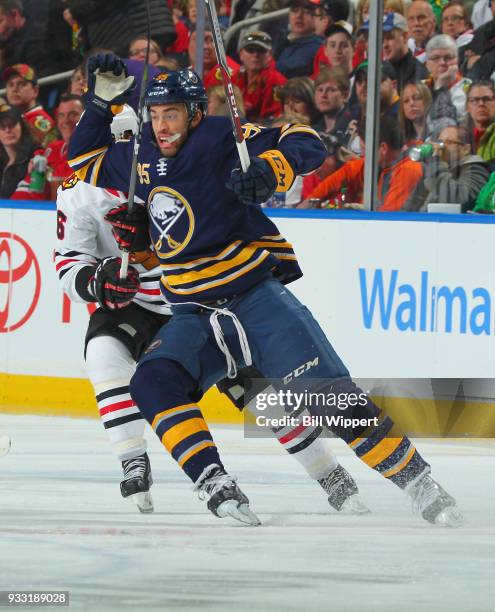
(437, 92)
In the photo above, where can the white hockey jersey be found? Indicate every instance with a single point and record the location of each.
(84, 237)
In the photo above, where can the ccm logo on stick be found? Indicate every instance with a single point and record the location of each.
(301, 369)
(232, 99)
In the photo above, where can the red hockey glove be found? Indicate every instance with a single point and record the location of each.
(110, 291)
(130, 230)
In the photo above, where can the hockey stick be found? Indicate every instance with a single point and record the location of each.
(137, 139)
(227, 85)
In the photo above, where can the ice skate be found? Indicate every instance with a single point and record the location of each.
(137, 482)
(433, 503)
(224, 497)
(342, 491)
(4, 444)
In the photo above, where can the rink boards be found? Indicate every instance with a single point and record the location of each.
(399, 295)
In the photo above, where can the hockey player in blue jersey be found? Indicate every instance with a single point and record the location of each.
(224, 270)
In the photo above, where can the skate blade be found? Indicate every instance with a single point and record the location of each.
(143, 501)
(240, 512)
(354, 505)
(450, 517)
(4, 445)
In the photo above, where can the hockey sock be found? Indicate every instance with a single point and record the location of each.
(380, 443)
(308, 448)
(166, 395)
(110, 366)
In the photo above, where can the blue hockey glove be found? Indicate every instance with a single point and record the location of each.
(108, 82)
(256, 185)
(130, 230)
(110, 291)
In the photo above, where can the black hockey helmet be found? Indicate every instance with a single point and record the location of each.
(178, 86)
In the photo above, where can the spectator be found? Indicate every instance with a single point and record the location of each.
(339, 46)
(77, 85)
(113, 23)
(455, 22)
(447, 83)
(389, 100)
(398, 175)
(481, 117)
(217, 101)
(180, 44)
(211, 73)
(297, 97)
(363, 10)
(332, 87)
(480, 52)
(451, 175)
(421, 23)
(67, 115)
(22, 93)
(137, 50)
(415, 103)
(21, 39)
(481, 13)
(396, 51)
(295, 57)
(256, 79)
(327, 13)
(16, 149)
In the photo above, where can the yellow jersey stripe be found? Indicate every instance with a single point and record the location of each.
(271, 245)
(96, 169)
(86, 156)
(83, 170)
(285, 256)
(219, 282)
(202, 260)
(214, 270)
(297, 129)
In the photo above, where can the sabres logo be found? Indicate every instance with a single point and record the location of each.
(163, 76)
(172, 221)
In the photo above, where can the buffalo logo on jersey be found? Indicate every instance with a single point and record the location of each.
(172, 221)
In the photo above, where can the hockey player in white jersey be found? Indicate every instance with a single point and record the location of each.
(131, 312)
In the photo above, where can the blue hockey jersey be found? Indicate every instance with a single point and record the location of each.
(210, 245)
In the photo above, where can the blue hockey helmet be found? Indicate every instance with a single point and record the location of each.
(183, 86)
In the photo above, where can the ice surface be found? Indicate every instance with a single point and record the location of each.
(63, 525)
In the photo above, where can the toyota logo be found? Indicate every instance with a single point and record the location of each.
(20, 282)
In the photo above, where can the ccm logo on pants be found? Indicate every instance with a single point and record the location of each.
(301, 369)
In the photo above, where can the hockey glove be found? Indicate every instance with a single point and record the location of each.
(256, 185)
(108, 82)
(110, 291)
(130, 230)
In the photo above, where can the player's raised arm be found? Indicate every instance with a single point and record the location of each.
(277, 156)
(92, 154)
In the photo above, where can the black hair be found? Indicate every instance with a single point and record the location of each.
(390, 133)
